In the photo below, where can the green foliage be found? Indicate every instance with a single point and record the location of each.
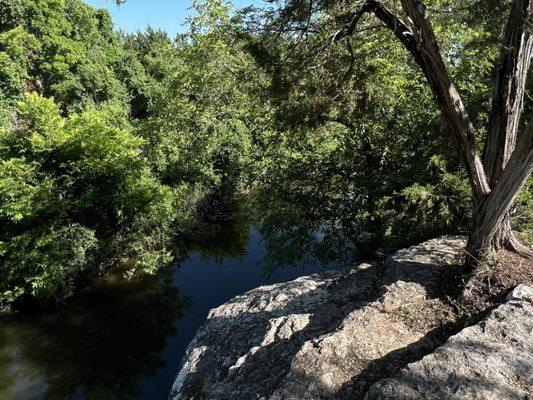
(21, 190)
(110, 142)
(79, 54)
(65, 49)
(16, 53)
(45, 262)
(363, 154)
(205, 125)
(86, 170)
(522, 214)
(12, 12)
(437, 207)
(69, 186)
(149, 61)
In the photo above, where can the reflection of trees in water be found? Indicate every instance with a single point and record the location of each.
(296, 228)
(98, 347)
(303, 225)
(6, 360)
(219, 238)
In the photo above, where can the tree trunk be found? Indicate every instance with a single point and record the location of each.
(510, 75)
(491, 217)
(479, 247)
(508, 167)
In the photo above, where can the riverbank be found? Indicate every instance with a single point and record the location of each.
(333, 335)
(135, 329)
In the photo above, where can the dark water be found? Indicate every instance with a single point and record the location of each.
(124, 339)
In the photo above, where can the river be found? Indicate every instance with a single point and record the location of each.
(124, 339)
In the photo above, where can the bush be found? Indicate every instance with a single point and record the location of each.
(71, 190)
(45, 262)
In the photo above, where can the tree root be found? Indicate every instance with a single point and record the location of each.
(513, 244)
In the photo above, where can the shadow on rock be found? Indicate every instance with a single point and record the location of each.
(325, 336)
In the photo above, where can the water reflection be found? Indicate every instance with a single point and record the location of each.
(95, 349)
(218, 239)
(302, 226)
(124, 339)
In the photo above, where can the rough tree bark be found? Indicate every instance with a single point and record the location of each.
(494, 209)
(507, 167)
(510, 75)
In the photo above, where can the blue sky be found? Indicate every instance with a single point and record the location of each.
(165, 14)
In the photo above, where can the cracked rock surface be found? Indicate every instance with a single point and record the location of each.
(492, 360)
(325, 336)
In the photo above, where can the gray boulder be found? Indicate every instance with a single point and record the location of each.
(492, 360)
(324, 336)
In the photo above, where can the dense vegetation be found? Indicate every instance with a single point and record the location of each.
(114, 145)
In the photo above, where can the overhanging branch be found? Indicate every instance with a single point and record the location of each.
(420, 41)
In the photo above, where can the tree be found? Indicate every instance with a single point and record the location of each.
(208, 116)
(74, 193)
(507, 161)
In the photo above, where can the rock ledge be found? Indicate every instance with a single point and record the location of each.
(492, 360)
(330, 335)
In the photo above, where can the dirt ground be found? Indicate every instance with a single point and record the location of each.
(465, 300)
(489, 286)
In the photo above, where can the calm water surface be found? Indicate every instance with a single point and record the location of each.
(125, 340)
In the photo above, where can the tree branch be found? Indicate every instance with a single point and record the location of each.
(420, 41)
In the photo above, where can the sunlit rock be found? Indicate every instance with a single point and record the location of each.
(330, 335)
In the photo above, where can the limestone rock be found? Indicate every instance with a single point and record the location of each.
(324, 336)
(492, 360)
